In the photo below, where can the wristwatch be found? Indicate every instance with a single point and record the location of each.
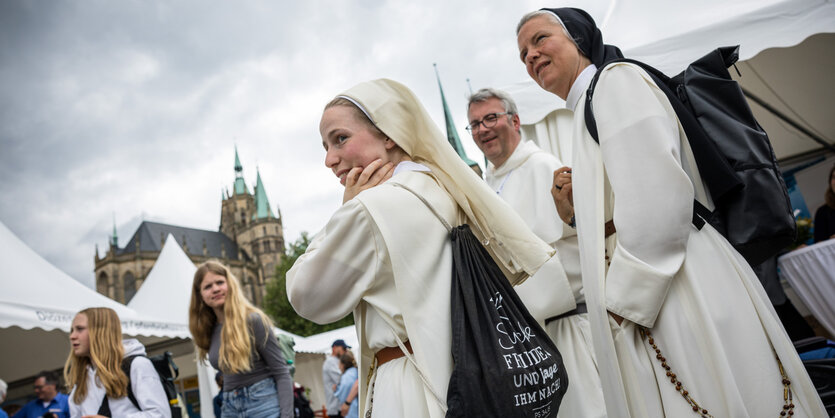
(573, 222)
(347, 403)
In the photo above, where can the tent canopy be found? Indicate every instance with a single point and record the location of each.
(37, 294)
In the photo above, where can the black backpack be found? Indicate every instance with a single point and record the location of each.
(301, 404)
(732, 151)
(167, 371)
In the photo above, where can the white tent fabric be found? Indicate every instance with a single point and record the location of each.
(37, 294)
(797, 81)
(166, 291)
(37, 304)
(321, 343)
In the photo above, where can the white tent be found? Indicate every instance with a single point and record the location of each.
(166, 291)
(311, 353)
(37, 304)
(795, 81)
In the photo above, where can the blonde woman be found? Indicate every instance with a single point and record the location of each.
(387, 258)
(238, 340)
(94, 371)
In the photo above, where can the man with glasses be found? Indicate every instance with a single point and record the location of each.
(49, 403)
(522, 174)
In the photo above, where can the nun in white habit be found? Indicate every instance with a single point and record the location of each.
(680, 324)
(387, 258)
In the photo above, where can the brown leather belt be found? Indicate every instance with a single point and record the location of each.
(580, 309)
(609, 227)
(388, 354)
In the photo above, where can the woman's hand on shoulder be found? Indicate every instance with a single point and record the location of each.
(359, 179)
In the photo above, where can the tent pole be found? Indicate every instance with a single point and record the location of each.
(786, 119)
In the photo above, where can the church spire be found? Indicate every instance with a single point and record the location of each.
(114, 239)
(451, 132)
(240, 185)
(262, 204)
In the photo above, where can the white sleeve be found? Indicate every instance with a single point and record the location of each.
(329, 279)
(147, 388)
(640, 146)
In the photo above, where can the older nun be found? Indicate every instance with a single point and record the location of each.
(680, 324)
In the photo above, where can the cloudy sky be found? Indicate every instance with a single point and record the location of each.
(132, 109)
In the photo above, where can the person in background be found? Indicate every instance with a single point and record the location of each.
(521, 174)
(331, 375)
(681, 326)
(3, 388)
(825, 215)
(49, 400)
(238, 340)
(94, 371)
(346, 389)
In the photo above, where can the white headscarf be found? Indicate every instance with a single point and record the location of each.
(397, 112)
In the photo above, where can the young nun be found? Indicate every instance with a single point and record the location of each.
(387, 258)
(681, 326)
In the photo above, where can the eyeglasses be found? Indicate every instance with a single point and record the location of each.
(488, 121)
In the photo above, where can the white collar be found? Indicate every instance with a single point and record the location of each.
(520, 154)
(409, 166)
(579, 87)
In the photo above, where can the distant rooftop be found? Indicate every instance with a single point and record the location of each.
(151, 235)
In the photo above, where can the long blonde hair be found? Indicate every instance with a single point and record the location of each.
(106, 354)
(236, 338)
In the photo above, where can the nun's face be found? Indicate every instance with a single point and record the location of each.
(350, 142)
(552, 60)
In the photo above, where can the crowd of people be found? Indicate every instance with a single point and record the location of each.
(652, 317)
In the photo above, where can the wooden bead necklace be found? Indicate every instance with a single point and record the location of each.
(788, 405)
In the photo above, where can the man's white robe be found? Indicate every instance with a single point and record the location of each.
(524, 181)
(702, 302)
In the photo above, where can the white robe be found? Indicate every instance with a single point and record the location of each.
(705, 307)
(524, 181)
(387, 258)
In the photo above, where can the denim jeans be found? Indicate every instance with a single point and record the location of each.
(258, 400)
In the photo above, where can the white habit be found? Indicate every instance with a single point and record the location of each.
(705, 307)
(369, 259)
(524, 181)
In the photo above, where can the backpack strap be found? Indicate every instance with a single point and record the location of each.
(714, 169)
(104, 409)
(126, 364)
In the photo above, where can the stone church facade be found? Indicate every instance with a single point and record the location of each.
(250, 240)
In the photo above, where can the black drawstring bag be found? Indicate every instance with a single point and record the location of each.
(504, 363)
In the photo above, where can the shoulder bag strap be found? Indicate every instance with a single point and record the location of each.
(425, 202)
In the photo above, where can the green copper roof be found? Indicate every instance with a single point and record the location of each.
(240, 185)
(451, 132)
(238, 166)
(262, 204)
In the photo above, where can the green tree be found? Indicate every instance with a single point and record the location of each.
(278, 307)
